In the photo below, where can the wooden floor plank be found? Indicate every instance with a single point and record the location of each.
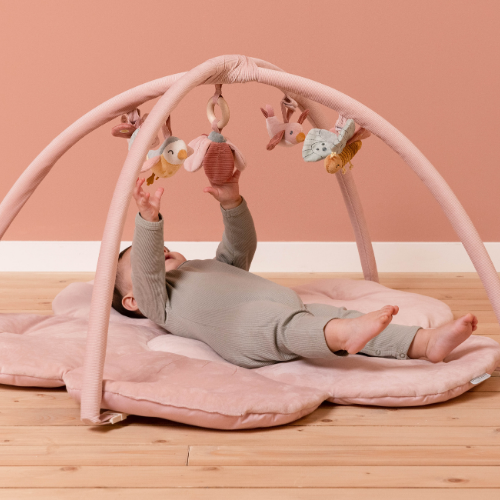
(251, 477)
(249, 494)
(490, 385)
(482, 316)
(139, 431)
(455, 416)
(105, 455)
(419, 416)
(343, 455)
(32, 397)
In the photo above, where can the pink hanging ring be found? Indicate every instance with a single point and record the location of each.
(224, 109)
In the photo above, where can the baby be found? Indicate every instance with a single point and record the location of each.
(246, 319)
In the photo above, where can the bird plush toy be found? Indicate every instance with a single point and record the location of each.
(284, 133)
(167, 159)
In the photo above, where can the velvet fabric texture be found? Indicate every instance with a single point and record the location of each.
(152, 373)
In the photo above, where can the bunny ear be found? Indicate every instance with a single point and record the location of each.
(359, 135)
(264, 112)
(275, 140)
(190, 150)
(239, 159)
(303, 116)
(199, 146)
(149, 164)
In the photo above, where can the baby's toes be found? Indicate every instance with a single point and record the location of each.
(391, 310)
(385, 315)
(468, 319)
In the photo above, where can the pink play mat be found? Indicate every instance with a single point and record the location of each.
(152, 373)
(131, 366)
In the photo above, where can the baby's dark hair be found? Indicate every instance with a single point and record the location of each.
(119, 291)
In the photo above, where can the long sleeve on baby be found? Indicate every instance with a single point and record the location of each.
(148, 269)
(239, 240)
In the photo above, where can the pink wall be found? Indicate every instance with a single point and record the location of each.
(429, 67)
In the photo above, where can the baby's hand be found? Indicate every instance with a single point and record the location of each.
(149, 208)
(227, 194)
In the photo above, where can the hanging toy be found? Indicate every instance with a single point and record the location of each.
(214, 152)
(167, 159)
(335, 161)
(336, 148)
(284, 133)
(130, 124)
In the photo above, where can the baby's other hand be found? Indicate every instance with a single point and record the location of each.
(227, 194)
(148, 207)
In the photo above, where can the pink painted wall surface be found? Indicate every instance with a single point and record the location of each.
(432, 68)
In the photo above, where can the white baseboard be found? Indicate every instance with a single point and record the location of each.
(81, 256)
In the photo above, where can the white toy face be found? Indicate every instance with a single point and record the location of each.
(320, 143)
(176, 152)
(322, 148)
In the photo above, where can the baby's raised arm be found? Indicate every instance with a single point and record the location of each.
(148, 259)
(239, 240)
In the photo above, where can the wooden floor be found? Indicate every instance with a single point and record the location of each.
(443, 451)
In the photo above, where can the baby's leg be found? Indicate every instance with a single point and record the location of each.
(398, 341)
(435, 344)
(371, 333)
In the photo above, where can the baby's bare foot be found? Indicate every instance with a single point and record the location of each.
(352, 334)
(444, 339)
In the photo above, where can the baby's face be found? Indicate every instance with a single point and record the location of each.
(172, 261)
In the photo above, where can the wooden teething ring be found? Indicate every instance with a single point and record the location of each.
(224, 109)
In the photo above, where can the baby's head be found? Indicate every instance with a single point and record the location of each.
(123, 296)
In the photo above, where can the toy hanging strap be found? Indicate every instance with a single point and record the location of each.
(288, 107)
(215, 99)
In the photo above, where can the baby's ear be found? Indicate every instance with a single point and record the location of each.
(129, 303)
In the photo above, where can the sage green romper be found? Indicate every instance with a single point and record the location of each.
(246, 319)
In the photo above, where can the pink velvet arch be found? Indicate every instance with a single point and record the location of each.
(225, 70)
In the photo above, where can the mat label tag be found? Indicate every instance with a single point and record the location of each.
(481, 378)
